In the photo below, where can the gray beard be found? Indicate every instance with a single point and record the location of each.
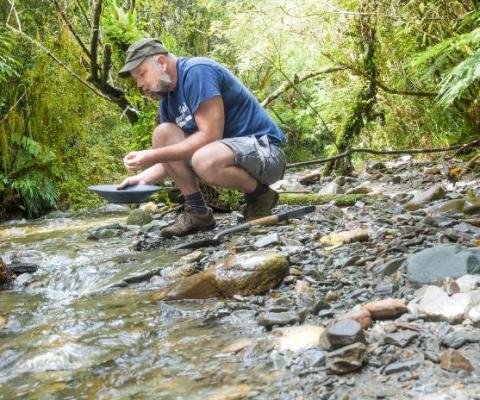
(161, 92)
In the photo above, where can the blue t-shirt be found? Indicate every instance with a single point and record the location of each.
(200, 79)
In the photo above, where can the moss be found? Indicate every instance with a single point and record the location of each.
(341, 200)
(139, 217)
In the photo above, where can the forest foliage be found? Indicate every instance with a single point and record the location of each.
(333, 73)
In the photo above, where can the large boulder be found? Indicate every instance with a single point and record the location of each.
(440, 262)
(246, 274)
(436, 192)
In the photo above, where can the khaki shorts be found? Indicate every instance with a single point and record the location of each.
(262, 159)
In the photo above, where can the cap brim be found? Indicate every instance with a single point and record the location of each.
(125, 71)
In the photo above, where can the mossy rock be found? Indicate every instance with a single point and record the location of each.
(139, 217)
(340, 200)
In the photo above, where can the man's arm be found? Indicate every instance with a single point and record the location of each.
(210, 120)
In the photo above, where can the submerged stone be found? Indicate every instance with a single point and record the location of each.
(139, 217)
(436, 192)
(245, 274)
(297, 338)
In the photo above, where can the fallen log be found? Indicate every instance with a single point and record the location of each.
(340, 200)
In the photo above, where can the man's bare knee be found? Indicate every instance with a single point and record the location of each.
(165, 134)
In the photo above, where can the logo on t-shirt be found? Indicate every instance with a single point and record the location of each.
(184, 117)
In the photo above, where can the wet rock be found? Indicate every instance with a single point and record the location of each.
(345, 332)
(439, 262)
(270, 319)
(363, 188)
(435, 304)
(5, 275)
(297, 338)
(313, 358)
(154, 226)
(387, 308)
(402, 197)
(331, 188)
(401, 367)
(346, 359)
(453, 360)
(238, 346)
(267, 240)
(468, 282)
(2, 322)
(447, 206)
(460, 337)
(436, 192)
(18, 268)
(139, 217)
(362, 316)
(400, 339)
(244, 274)
(106, 232)
(390, 267)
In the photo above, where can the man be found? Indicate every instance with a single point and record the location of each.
(211, 126)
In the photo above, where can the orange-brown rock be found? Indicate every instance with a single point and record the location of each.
(363, 317)
(245, 274)
(387, 308)
(452, 359)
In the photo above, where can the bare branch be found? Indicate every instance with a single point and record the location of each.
(387, 152)
(71, 29)
(284, 87)
(79, 5)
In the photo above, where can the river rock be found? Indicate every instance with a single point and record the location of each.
(362, 316)
(400, 339)
(447, 206)
(390, 267)
(139, 217)
(149, 207)
(2, 322)
(468, 282)
(435, 304)
(386, 308)
(474, 314)
(346, 359)
(270, 319)
(245, 274)
(401, 367)
(460, 337)
(436, 192)
(440, 262)
(451, 360)
(340, 238)
(297, 338)
(5, 275)
(345, 332)
(267, 240)
(331, 188)
(288, 185)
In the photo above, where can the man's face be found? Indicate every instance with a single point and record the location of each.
(151, 79)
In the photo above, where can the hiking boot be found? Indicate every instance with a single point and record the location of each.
(189, 222)
(260, 205)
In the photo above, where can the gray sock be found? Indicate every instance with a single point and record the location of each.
(196, 202)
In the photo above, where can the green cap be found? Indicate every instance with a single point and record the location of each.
(138, 51)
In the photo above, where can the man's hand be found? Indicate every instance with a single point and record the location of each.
(136, 160)
(130, 181)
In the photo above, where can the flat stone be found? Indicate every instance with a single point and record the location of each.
(267, 240)
(346, 359)
(401, 367)
(106, 232)
(390, 267)
(440, 262)
(345, 332)
(297, 338)
(154, 226)
(400, 339)
(270, 319)
(453, 360)
(460, 337)
(435, 304)
(447, 206)
(387, 308)
(436, 192)
(331, 188)
(313, 358)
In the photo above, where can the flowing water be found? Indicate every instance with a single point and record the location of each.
(76, 330)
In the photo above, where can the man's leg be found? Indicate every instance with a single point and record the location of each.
(197, 215)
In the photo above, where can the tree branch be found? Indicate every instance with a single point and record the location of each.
(284, 87)
(107, 63)
(97, 13)
(71, 29)
(387, 152)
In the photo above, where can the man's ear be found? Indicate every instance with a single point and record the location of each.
(162, 60)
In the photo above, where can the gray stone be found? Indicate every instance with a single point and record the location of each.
(440, 262)
(400, 339)
(154, 226)
(267, 240)
(346, 359)
(390, 267)
(139, 217)
(106, 232)
(270, 319)
(460, 337)
(402, 197)
(447, 206)
(312, 358)
(474, 314)
(345, 332)
(331, 188)
(436, 192)
(401, 367)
